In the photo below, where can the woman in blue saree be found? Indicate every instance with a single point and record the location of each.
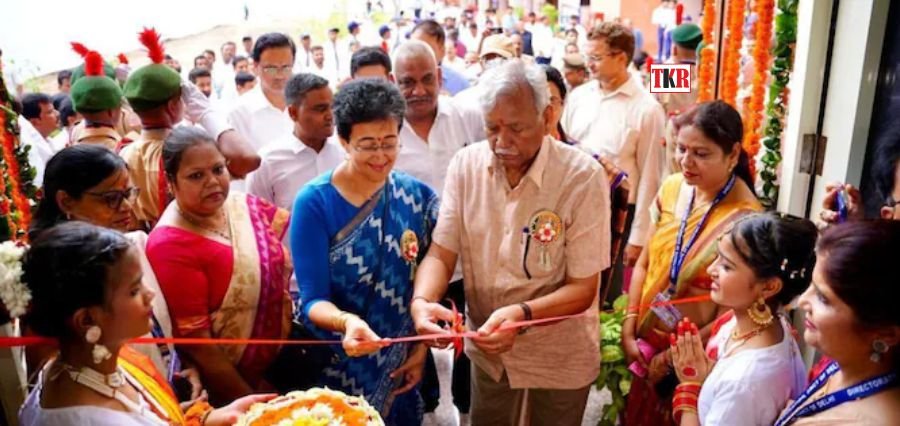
(356, 237)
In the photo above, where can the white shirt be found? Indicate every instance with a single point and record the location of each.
(752, 386)
(223, 74)
(428, 160)
(41, 149)
(335, 57)
(258, 120)
(457, 63)
(287, 165)
(303, 60)
(61, 139)
(468, 104)
(663, 16)
(627, 126)
(470, 41)
(32, 414)
(198, 109)
(326, 73)
(542, 40)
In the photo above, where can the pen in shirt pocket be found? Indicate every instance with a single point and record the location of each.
(527, 241)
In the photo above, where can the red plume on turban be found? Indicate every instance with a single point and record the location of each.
(93, 62)
(679, 12)
(123, 59)
(150, 39)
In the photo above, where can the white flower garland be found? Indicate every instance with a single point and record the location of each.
(13, 292)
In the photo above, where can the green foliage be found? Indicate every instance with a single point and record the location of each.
(776, 108)
(614, 374)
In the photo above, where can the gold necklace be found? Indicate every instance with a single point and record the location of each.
(741, 339)
(824, 391)
(195, 223)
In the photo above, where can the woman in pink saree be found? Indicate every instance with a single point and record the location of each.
(221, 265)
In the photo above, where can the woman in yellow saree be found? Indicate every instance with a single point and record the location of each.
(692, 210)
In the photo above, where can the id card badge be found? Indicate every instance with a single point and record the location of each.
(664, 310)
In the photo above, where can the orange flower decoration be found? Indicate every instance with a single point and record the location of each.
(765, 10)
(20, 218)
(706, 77)
(732, 56)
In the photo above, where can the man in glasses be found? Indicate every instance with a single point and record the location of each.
(617, 118)
(528, 216)
(885, 176)
(261, 114)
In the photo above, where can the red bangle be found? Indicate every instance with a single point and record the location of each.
(688, 387)
(683, 394)
(678, 402)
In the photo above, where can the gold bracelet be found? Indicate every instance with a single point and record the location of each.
(629, 316)
(339, 321)
(206, 416)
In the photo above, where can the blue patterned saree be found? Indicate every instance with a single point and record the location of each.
(371, 264)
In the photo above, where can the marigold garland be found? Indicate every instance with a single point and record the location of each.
(731, 62)
(4, 201)
(705, 73)
(764, 10)
(23, 207)
(18, 190)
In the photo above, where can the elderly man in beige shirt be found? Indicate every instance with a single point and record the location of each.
(529, 218)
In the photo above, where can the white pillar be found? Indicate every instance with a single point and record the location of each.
(859, 36)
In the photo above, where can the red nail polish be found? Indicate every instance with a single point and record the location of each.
(672, 339)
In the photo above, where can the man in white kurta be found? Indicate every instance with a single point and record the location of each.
(616, 117)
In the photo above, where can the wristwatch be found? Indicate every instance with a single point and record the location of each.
(528, 317)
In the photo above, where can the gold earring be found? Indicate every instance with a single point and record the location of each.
(760, 313)
(879, 348)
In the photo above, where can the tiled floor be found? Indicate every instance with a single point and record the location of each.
(446, 414)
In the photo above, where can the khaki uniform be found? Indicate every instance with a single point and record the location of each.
(105, 136)
(144, 158)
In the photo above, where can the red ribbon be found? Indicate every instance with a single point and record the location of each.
(456, 335)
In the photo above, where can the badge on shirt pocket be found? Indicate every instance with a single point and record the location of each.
(545, 227)
(409, 247)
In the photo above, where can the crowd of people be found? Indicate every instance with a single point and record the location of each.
(350, 191)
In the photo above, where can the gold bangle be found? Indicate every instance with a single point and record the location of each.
(631, 315)
(339, 321)
(205, 416)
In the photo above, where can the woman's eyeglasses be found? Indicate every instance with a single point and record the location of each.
(114, 198)
(387, 148)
